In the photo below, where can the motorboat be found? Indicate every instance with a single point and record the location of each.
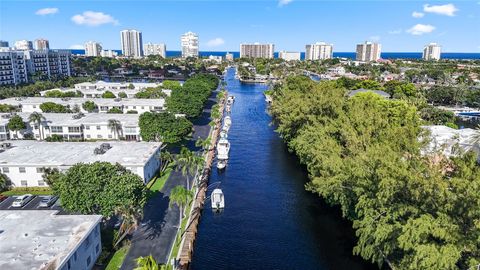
(230, 100)
(221, 164)
(223, 147)
(225, 128)
(228, 108)
(217, 198)
(223, 134)
(227, 121)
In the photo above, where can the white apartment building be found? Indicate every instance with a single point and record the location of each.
(13, 68)
(432, 51)
(49, 62)
(229, 56)
(32, 104)
(155, 49)
(43, 239)
(189, 43)
(74, 127)
(41, 44)
(23, 45)
(131, 42)
(368, 51)
(24, 161)
(289, 56)
(318, 51)
(96, 89)
(257, 50)
(108, 53)
(93, 48)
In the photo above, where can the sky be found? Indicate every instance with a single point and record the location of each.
(400, 26)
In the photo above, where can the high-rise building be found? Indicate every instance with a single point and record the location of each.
(189, 43)
(432, 51)
(3, 44)
(108, 53)
(132, 44)
(41, 44)
(155, 49)
(23, 45)
(368, 51)
(318, 51)
(93, 48)
(49, 63)
(257, 50)
(13, 69)
(289, 56)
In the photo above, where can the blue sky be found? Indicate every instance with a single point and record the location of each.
(401, 26)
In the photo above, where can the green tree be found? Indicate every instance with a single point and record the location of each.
(189, 163)
(172, 85)
(164, 127)
(122, 95)
(148, 263)
(89, 106)
(37, 118)
(115, 110)
(16, 124)
(52, 107)
(4, 108)
(4, 182)
(180, 196)
(108, 94)
(132, 112)
(166, 158)
(130, 217)
(97, 188)
(131, 86)
(55, 138)
(116, 127)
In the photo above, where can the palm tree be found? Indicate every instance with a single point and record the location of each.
(115, 126)
(37, 119)
(189, 163)
(166, 158)
(181, 197)
(130, 216)
(148, 263)
(204, 144)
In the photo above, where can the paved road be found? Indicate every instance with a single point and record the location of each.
(159, 226)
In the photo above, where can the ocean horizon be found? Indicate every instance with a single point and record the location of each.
(351, 55)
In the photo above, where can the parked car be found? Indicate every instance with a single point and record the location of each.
(21, 201)
(2, 198)
(47, 201)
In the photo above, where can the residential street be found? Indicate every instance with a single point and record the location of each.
(159, 226)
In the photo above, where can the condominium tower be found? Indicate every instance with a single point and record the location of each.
(289, 56)
(318, 51)
(41, 44)
(431, 51)
(155, 49)
(93, 48)
(132, 44)
(189, 43)
(257, 50)
(23, 45)
(368, 51)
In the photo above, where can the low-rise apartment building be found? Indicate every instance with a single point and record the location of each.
(24, 161)
(32, 104)
(75, 127)
(43, 239)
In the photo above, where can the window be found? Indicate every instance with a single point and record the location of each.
(41, 183)
(130, 130)
(134, 107)
(99, 127)
(99, 136)
(23, 183)
(40, 170)
(143, 107)
(73, 129)
(21, 169)
(110, 136)
(55, 129)
(6, 170)
(2, 128)
(87, 127)
(88, 136)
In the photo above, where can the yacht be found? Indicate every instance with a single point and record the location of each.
(223, 134)
(230, 100)
(227, 121)
(221, 164)
(223, 147)
(217, 198)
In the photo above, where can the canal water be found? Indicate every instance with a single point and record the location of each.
(269, 221)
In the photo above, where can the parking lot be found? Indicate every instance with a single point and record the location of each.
(31, 205)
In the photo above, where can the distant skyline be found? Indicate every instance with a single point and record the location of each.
(401, 26)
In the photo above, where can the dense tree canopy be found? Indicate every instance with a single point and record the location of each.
(363, 153)
(151, 92)
(164, 127)
(89, 106)
(97, 188)
(55, 93)
(52, 107)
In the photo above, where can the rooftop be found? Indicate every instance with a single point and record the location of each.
(72, 101)
(39, 153)
(444, 138)
(33, 239)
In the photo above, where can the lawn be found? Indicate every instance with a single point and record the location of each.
(32, 190)
(178, 239)
(157, 183)
(117, 258)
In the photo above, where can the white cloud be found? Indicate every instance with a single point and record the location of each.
(448, 9)
(417, 14)
(46, 11)
(215, 42)
(282, 3)
(92, 18)
(77, 47)
(420, 29)
(375, 38)
(395, 32)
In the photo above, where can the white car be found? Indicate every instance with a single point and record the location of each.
(21, 201)
(47, 201)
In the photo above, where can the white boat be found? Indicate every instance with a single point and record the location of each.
(223, 134)
(227, 121)
(230, 99)
(217, 198)
(223, 147)
(221, 164)
(225, 128)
